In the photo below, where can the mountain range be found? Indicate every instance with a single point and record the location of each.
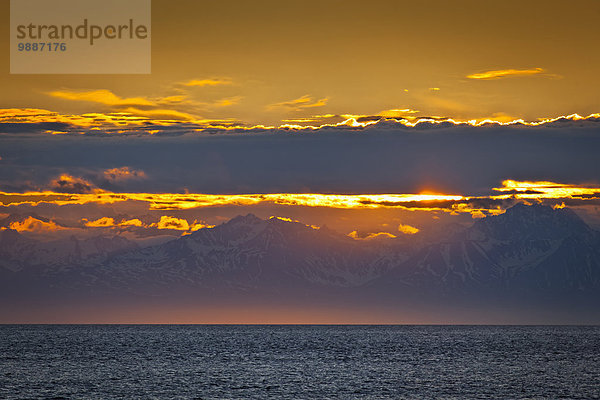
(530, 253)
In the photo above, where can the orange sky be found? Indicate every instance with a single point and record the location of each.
(316, 63)
(273, 62)
(389, 120)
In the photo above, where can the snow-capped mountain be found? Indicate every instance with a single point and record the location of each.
(248, 253)
(528, 249)
(19, 253)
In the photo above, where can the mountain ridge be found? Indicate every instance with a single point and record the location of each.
(528, 250)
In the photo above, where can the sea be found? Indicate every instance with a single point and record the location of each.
(298, 362)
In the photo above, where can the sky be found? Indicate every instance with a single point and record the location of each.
(452, 110)
(266, 62)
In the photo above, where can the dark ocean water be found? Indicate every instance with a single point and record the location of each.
(299, 362)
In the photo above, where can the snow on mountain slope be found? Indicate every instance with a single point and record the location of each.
(248, 252)
(527, 248)
(19, 253)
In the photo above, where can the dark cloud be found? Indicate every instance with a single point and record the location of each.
(69, 184)
(387, 157)
(20, 128)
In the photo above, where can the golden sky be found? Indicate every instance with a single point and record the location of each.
(388, 120)
(274, 62)
(311, 63)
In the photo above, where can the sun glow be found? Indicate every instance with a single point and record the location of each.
(544, 190)
(451, 203)
(176, 201)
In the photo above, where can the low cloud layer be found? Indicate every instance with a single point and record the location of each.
(386, 157)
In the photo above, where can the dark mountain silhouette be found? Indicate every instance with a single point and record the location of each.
(528, 254)
(527, 249)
